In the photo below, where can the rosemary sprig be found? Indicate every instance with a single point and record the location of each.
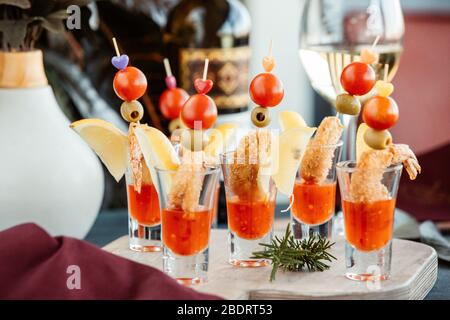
(290, 254)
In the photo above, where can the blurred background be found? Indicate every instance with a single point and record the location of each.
(238, 34)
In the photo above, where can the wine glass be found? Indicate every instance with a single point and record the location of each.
(332, 35)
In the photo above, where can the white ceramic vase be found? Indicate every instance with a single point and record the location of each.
(48, 175)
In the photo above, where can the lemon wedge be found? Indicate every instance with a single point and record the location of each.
(157, 150)
(108, 142)
(292, 144)
(290, 119)
(263, 181)
(361, 145)
(218, 138)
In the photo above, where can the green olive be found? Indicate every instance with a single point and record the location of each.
(260, 117)
(377, 139)
(348, 104)
(193, 139)
(132, 111)
(174, 125)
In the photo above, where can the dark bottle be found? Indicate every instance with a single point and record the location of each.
(218, 30)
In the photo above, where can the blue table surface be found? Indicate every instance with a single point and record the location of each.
(112, 224)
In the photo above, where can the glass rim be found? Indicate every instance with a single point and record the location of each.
(345, 166)
(210, 169)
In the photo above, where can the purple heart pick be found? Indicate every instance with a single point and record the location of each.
(171, 82)
(120, 62)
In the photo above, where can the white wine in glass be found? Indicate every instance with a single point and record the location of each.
(332, 35)
(324, 64)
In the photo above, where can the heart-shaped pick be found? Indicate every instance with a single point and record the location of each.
(368, 56)
(384, 89)
(120, 62)
(268, 63)
(203, 86)
(171, 82)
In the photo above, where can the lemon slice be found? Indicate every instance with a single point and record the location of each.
(218, 138)
(108, 142)
(267, 161)
(158, 152)
(361, 145)
(292, 144)
(290, 119)
(263, 181)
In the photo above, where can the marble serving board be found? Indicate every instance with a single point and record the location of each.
(414, 272)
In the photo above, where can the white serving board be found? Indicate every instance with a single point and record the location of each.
(414, 272)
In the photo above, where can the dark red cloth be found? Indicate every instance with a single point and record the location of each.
(428, 197)
(33, 265)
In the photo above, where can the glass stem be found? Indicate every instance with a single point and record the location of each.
(348, 136)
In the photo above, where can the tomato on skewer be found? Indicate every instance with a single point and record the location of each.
(266, 90)
(171, 102)
(358, 78)
(199, 112)
(130, 83)
(380, 113)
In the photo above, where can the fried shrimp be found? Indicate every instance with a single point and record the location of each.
(317, 161)
(366, 183)
(252, 152)
(139, 170)
(187, 182)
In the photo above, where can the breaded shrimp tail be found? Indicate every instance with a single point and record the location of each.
(187, 183)
(366, 184)
(317, 161)
(139, 169)
(253, 151)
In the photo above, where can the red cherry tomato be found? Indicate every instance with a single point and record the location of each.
(380, 113)
(266, 90)
(130, 83)
(358, 78)
(199, 107)
(171, 102)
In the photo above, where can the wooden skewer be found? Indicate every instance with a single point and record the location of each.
(386, 72)
(116, 46)
(270, 48)
(375, 42)
(205, 69)
(167, 67)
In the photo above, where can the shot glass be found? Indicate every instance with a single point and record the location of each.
(185, 234)
(250, 211)
(215, 212)
(368, 224)
(313, 204)
(144, 216)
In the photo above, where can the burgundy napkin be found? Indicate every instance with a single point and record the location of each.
(34, 265)
(428, 197)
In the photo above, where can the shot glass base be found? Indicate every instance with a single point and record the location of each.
(187, 270)
(302, 230)
(145, 248)
(368, 265)
(144, 238)
(365, 277)
(249, 263)
(241, 250)
(190, 281)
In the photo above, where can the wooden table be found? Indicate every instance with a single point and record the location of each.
(414, 272)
